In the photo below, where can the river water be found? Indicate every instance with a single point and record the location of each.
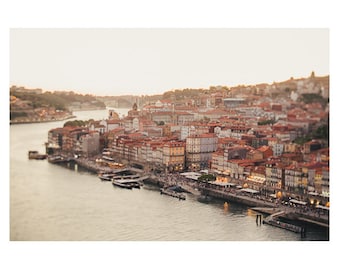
(53, 202)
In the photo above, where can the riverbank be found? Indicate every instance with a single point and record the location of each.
(199, 189)
(291, 213)
(34, 121)
(50, 202)
(82, 109)
(218, 194)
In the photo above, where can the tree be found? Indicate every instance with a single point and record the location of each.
(207, 178)
(76, 123)
(266, 122)
(322, 132)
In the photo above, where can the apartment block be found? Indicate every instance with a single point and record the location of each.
(199, 149)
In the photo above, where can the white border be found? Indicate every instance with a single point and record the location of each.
(155, 255)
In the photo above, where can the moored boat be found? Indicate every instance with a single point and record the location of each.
(106, 176)
(122, 184)
(172, 193)
(36, 155)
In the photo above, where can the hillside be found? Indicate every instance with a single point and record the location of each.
(34, 105)
(60, 100)
(293, 87)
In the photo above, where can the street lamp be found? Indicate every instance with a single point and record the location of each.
(279, 194)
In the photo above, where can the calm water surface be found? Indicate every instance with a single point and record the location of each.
(52, 202)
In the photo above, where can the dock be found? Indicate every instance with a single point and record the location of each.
(172, 193)
(315, 222)
(189, 189)
(273, 219)
(265, 210)
(283, 225)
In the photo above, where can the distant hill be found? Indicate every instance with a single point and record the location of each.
(301, 86)
(69, 100)
(60, 100)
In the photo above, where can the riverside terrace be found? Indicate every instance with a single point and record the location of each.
(226, 191)
(293, 209)
(98, 164)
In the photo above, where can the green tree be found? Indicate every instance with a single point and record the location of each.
(266, 122)
(207, 178)
(322, 132)
(76, 123)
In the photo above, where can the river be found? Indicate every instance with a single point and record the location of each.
(53, 202)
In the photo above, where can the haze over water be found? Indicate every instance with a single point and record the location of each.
(53, 202)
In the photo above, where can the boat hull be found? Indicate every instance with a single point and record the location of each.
(122, 185)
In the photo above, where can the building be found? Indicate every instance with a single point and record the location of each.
(174, 156)
(311, 146)
(291, 148)
(112, 124)
(184, 118)
(293, 179)
(266, 151)
(162, 117)
(113, 115)
(90, 144)
(238, 169)
(54, 140)
(257, 178)
(226, 142)
(128, 122)
(231, 103)
(254, 154)
(276, 147)
(99, 126)
(154, 131)
(236, 152)
(275, 176)
(71, 138)
(217, 161)
(199, 149)
(325, 182)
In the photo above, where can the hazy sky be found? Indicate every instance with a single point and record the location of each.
(149, 61)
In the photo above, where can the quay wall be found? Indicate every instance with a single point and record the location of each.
(227, 196)
(237, 198)
(214, 193)
(92, 166)
(156, 181)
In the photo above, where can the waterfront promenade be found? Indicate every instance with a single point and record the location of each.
(230, 194)
(305, 214)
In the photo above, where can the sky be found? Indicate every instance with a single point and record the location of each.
(146, 61)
